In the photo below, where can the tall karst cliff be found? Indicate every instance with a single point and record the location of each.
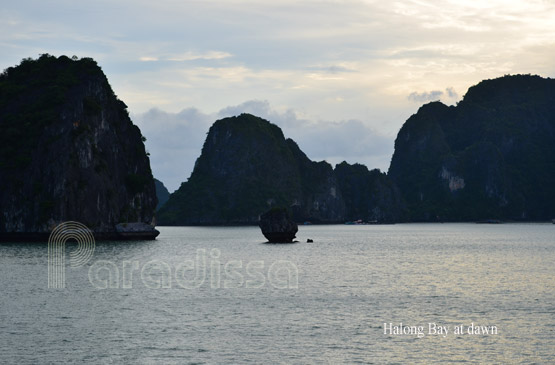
(491, 156)
(246, 167)
(69, 151)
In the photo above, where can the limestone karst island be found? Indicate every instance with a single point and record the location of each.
(69, 152)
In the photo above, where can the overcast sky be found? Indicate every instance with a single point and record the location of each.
(339, 77)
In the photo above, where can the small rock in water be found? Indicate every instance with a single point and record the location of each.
(277, 226)
(309, 240)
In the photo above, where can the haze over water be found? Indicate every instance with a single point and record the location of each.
(325, 301)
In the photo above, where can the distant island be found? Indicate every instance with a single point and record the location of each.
(491, 157)
(69, 151)
(247, 167)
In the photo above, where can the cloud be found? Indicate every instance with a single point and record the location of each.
(425, 96)
(433, 95)
(451, 93)
(210, 55)
(188, 56)
(286, 119)
(174, 141)
(148, 59)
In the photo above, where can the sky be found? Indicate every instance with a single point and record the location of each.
(339, 77)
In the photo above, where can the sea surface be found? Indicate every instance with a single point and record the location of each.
(222, 295)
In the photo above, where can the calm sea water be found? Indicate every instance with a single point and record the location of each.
(221, 295)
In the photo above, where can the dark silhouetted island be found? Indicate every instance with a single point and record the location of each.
(491, 157)
(247, 167)
(69, 152)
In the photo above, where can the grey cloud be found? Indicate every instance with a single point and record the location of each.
(349, 140)
(174, 141)
(261, 108)
(425, 96)
(452, 93)
(433, 95)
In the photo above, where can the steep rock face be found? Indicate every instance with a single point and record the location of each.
(322, 197)
(245, 168)
(69, 151)
(369, 195)
(162, 193)
(491, 156)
